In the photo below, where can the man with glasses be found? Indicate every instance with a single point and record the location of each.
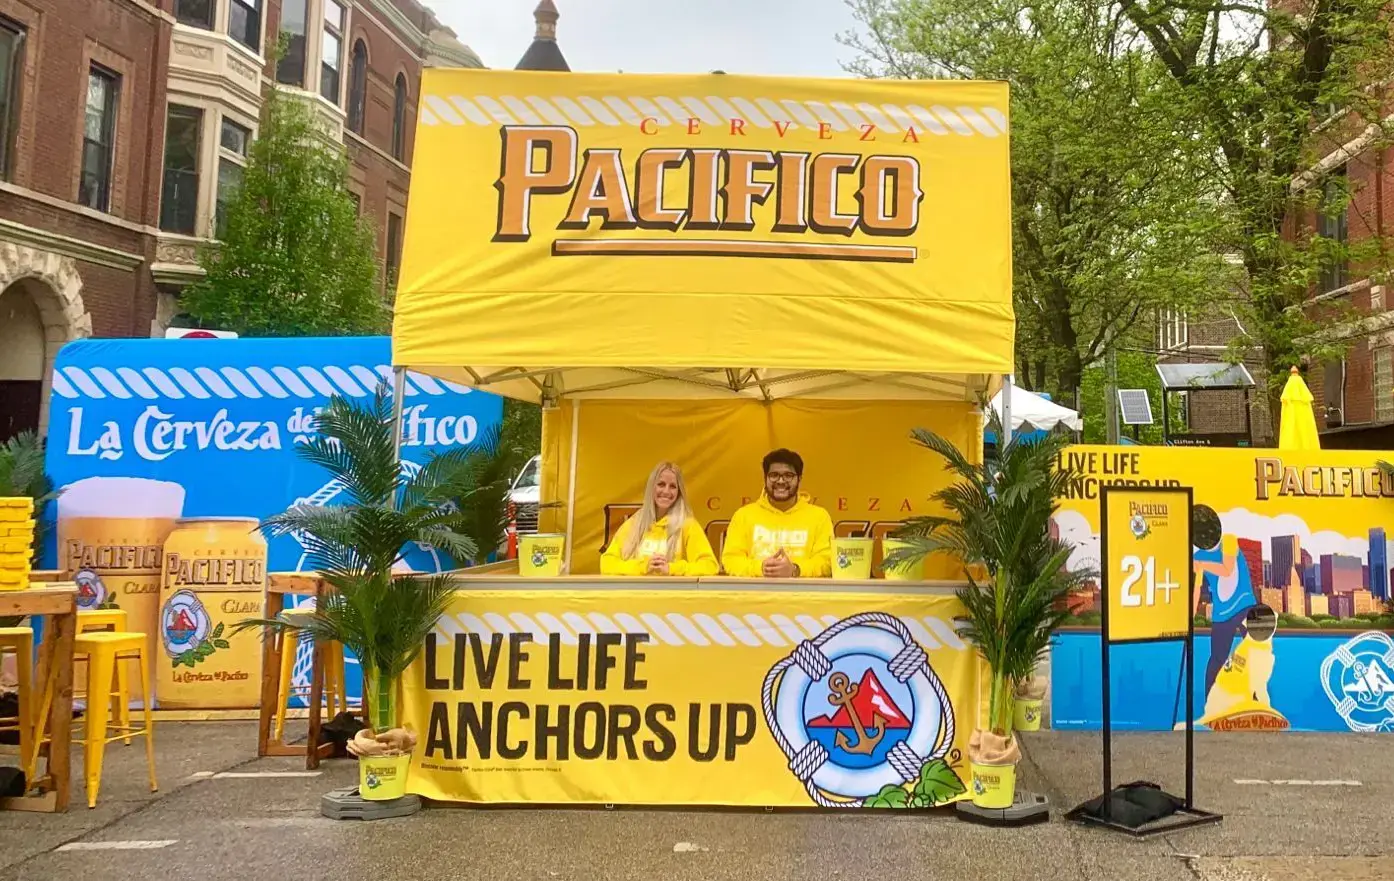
(782, 535)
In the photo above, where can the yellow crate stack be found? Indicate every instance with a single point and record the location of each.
(16, 539)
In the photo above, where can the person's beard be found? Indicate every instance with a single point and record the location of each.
(784, 492)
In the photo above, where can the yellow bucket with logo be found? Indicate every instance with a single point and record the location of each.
(540, 556)
(1026, 714)
(993, 786)
(383, 778)
(912, 572)
(852, 558)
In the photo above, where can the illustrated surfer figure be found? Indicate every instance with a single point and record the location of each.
(1244, 677)
(1223, 569)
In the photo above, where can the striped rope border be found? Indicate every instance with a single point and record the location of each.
(721, 629)
(486, 110)
(229, 383)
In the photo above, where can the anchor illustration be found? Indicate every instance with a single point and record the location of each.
(841, 692)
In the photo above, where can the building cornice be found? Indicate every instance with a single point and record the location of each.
(68, 246)
(74, 208)
(352, 137)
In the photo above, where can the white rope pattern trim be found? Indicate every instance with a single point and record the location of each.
(231, 383)
(809, 656)
(485, 110)
(721, 629)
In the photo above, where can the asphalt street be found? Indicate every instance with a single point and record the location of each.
(1296, 806)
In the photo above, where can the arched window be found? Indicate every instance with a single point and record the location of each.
(399, 119)
(358, 87)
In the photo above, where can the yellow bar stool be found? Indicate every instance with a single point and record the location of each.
(335, 693)
(105, 650)
(20, 642)
(114, 620)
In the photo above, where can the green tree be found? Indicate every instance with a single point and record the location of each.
(1271, 88)
(1136, 370)
(295, 258)
(1110, 219)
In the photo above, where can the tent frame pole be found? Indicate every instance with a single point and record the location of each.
(399, 394)
(1006, 410)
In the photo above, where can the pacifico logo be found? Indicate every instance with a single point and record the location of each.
(808, 194)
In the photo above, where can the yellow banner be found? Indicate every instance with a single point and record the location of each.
(1302, 533)
(694, 697)
(859, 462)
(1147, 563)
(598, 220)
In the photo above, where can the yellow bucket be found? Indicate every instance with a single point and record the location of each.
(912, 572)
(540, 556)
(852, 558)
(994, 786)
(1026, 714)
(383, 778)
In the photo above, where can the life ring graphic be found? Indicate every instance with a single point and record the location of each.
(1359, 681)
(857, 708)
(91, 590)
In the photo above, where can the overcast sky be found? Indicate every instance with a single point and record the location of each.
(776, 37)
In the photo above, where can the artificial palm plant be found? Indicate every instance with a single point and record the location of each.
(383, 619)
(997, 522)
(22, 475)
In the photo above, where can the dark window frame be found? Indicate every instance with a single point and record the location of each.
(179, 186)
(399, 118)
(251, 12)
(1335, 226)
(291, 68)
(10, 93)
(358, 87)
(331, 73)
(392, 259)
(100, 198)
(184, 14)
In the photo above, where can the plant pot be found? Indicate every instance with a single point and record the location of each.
(383, 778)
(993, 786)
(1026, 714)
(908, 572)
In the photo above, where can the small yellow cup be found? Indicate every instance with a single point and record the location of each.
(540, 556)
(383, 778)
(912, 572)
(852, 558)
(1026, 714)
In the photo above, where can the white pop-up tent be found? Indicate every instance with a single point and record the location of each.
(1031, 412)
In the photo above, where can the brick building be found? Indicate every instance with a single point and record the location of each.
(1354, 395)
(125, 123)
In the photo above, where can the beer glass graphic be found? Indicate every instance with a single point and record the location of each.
(111, 535)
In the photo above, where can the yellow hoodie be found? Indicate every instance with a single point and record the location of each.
(695, 555)
(757, 530)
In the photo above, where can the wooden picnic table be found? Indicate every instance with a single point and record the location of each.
(57, 603)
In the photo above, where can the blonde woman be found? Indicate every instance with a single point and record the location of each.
(662, 537)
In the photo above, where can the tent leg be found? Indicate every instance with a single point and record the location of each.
(399, 394)
(1006, 411)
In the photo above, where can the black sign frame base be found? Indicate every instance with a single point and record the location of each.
(1186, 815)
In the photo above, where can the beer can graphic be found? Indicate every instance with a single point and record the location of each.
(214, 577)
(111, 535)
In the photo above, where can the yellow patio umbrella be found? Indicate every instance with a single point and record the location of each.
(1297, 429)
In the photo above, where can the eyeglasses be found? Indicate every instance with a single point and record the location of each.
(782, 477)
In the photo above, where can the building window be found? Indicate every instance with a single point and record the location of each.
(399, 118)
(233, 140)
(1333, 392)
(358, 87)
(98, 139)
(244, 23)
(357, 203)
(179, 193)
(1384, 384)
(11, 75)
(195, 13)
(394, 249)
(290, 70)
(1173, 330)
(332, 56)
(1332, 219)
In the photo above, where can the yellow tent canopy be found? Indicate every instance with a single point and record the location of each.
(578, 236)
